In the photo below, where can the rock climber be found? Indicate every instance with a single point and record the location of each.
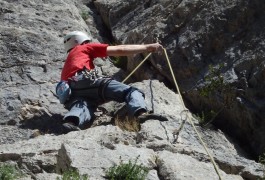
(81, 89)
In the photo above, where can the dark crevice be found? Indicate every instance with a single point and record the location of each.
(104, 32)
(45, 123)
(158, 170)
(147, 4)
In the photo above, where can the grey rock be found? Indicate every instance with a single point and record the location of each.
(88, 151)
(198, 34)
(195, 35)
(178, 166)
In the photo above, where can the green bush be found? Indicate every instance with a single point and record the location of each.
(262, 161)
(206, 117)
(72, 174)
(127, 171)
(214, 81)
(215, 86)
(8, 172)
(84, 14)
(120, 62)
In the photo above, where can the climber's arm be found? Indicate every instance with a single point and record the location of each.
(126, 50)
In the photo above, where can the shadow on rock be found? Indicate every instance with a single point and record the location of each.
(44, 124)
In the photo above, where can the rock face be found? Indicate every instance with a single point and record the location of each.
(155, 146)
(215, 46)
(32, 56)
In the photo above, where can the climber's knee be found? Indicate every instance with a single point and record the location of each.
(133, 93)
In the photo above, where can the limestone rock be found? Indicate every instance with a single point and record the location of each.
(195, 34)
(198, 35)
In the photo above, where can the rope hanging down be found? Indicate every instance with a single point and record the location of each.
(187, 114)
(190, 119)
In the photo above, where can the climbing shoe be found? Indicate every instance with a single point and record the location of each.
(69, 126)
(147, 115)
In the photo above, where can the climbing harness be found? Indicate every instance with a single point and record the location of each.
(86, 74)
(89, 84)
(185, 114)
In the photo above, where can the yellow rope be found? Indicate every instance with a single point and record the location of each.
(184, 107)
(174, 79)
(189, 118)
(136, 67)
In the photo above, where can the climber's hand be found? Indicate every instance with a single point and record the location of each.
(155, 47)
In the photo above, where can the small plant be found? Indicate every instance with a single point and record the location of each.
(84, 14)
(72, 174)
(214, 80)
(127, 123)
(262, 161)
(120, 62)
(8, 172)
(206, 117)
(127, 171)
(215, 87)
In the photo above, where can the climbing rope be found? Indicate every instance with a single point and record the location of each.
(184, 114)
(136, 67)
(190, 118)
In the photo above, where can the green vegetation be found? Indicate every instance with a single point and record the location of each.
(214, 81)
(262, 159)
(8, 172)
(72, 174)
(215, 87)
(127, 171)
(205, 117)
(120, 62)
(84, 14)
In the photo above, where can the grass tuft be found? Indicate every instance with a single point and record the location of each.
(72, 174)
(84, 14)
(127, 171)
(206, 117)
(9, 172)
(262, 161)
(127, 123)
